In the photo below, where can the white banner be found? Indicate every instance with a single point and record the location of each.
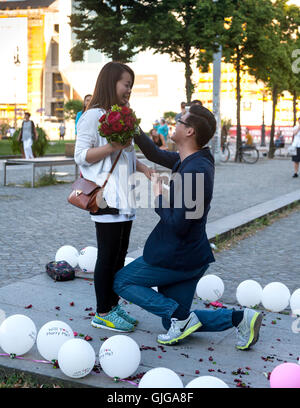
(14, 60)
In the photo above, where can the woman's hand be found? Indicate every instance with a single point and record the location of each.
(118, 146)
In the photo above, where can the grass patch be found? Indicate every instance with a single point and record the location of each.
(22, 380)
(46, 179)
(237, 235)
(56, 147)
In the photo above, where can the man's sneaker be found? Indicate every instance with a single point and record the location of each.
(112, 321)
(248, 329)
(179, 330)
(121, 312)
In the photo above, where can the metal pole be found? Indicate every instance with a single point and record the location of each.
(216, 145)
(263, 130)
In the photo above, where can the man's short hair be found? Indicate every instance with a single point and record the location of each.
(196, 102)
(203, 122)
(27, 113)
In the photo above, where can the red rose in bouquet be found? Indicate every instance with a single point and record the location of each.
(119, 124)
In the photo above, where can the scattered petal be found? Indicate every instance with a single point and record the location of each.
(28, 307)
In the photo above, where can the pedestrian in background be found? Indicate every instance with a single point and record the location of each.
(163, 129)
(27, 135)
(158, 139)
(86, 101)
(62, 131)
(183, 111)
(296, 144)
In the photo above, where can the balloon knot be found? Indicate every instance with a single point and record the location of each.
(12, 356)
(116, 379)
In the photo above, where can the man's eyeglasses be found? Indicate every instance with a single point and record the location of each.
(184, 123)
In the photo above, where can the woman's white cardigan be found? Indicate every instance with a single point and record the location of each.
(119, 191)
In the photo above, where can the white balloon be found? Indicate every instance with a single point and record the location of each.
(76, 358)
(17, 334)
(51, 337)
(67, 253)
(207, 381)
(128, 260)
(249, 293)
(87, 259)
(275, 296)
(160, 377)
(119, 356)
(295, 301)
(210, 288)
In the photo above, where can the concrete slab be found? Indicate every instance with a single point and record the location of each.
(200, 354)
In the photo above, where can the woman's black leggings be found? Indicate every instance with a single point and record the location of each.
(112, 241)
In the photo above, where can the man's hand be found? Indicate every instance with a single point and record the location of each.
(148, 171)
(156, 184)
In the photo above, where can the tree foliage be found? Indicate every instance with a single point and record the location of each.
(72, 107)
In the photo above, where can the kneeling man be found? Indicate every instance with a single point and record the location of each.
(177, 252)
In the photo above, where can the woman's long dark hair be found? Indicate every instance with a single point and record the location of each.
(104, 95)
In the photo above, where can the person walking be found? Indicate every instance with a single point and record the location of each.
(296, 145)
(28, 135)
(86, 101)
(95, 157)
(62, 131)
(177, 253)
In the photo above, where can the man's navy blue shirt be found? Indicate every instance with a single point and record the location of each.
(177, 242)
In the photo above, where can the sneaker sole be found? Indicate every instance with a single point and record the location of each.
(254, 332)
(184, 334)
(101, 326)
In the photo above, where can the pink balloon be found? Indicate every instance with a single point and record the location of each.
(285, 375)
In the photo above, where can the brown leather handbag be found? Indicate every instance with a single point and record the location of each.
(87, 195)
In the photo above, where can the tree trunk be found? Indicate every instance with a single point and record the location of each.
(188, 74)
(295, 107)
(238, 107)
(274, 104)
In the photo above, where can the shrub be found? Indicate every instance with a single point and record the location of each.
(39, 146)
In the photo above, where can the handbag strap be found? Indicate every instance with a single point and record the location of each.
(112, 168)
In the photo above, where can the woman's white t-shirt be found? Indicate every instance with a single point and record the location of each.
(296, 141)
(88, 137)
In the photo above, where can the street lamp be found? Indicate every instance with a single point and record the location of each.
(217, 59)
(17, 63)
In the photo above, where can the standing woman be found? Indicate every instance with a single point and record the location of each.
(296, 144)
(86, 101)
(95, 157)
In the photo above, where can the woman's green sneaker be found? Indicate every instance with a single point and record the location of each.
(121, 312)
(112, 321)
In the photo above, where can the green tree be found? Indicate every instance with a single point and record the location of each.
(272, 63)
(179, 28)
(103, 25)
(72, 107)
(243, 30)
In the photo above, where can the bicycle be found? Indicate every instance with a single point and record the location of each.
(248, 154)
(225, 152)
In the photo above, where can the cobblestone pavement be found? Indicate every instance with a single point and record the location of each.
(34, 223)
(271, 255)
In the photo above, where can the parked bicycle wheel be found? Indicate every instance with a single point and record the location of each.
(225, 154)
(250, 154)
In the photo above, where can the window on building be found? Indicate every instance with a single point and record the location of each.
(54, 53)
(57, 109)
